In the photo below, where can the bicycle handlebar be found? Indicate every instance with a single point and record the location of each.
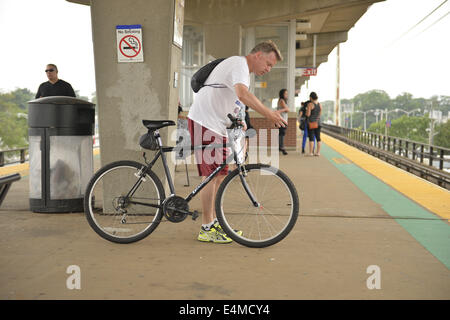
(235, 122)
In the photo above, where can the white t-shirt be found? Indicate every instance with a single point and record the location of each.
(212, 105)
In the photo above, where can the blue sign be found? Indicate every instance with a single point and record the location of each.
(129, 26)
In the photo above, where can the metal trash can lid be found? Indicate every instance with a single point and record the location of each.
(60, 100)
(62, 112)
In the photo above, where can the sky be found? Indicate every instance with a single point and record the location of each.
(46, 31)
(373, 58)
(37, 32)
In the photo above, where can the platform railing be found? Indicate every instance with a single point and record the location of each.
(424, 153)
(428, 161)
(12, 156)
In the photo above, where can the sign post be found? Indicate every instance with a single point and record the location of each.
(129, 43)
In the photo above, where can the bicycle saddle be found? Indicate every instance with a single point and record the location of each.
(157, 124)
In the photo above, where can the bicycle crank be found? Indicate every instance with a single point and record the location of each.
(176, 209)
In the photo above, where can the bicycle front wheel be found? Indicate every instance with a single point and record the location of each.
(120, 205)
(265, 222)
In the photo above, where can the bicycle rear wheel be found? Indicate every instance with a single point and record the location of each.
(118, 202)
(274, 216)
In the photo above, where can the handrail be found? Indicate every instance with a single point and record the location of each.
(23, 156)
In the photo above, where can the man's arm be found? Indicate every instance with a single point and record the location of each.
(253, 102)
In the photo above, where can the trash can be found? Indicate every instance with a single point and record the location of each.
(60, 131)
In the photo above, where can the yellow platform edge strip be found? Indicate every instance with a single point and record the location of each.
(425, 193)
(18, 168)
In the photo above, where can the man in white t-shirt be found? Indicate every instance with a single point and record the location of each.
(208, 121)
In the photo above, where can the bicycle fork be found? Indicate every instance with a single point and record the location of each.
(242, 174)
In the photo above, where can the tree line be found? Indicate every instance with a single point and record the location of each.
(14, 113)
(415, 127)
(13, 118)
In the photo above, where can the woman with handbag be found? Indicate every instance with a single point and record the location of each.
(313, 112)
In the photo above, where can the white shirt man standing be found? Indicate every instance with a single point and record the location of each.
(207, 121)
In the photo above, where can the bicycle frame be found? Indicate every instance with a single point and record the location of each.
(161, 153)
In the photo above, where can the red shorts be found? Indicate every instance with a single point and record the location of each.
(208, 159)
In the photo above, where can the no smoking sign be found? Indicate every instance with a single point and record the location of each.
(129, 43)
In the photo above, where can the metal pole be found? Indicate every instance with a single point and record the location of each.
(314, 49)
(431, 131)
(365, 121)
(337, 104)
(351, 117)
(430, 138)
(291, 65)
(385, 125)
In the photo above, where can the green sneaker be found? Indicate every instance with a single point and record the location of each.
(213, 235)
(219, 228)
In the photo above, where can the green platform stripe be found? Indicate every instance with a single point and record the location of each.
(424, 226)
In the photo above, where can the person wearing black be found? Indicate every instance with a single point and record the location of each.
(250, 132)
(313, 112)
(180, 109)
(303, 120)
(247, 119)
(54, 86)
(283, 109)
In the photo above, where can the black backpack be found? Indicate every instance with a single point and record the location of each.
(304, 117)
(199, 78)
(304, 108)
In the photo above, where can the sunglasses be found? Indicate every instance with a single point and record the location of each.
(49, 70)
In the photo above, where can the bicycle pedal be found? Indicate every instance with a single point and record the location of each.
(194, 215)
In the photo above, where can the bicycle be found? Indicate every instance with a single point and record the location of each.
(125, 200)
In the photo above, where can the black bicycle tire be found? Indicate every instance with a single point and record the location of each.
(91, 221)
(258, 244)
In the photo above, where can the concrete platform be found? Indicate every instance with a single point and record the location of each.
(342, 230)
